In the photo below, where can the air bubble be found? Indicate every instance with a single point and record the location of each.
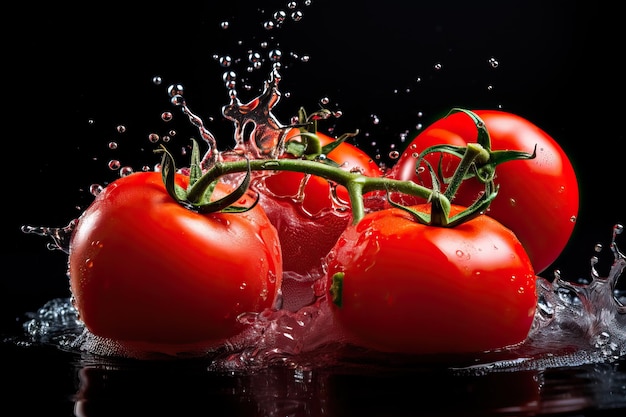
(166, 116)
(114, 164)
(121, 129)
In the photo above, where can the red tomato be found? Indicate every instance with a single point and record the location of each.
(538, 198)
(310, 214)
(145, 270)
(417, 289)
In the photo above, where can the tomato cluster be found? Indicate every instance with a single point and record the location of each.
(413, 273)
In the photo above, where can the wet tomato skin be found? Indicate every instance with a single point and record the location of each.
(417, 289)
(538, 198)
(145, 269)
(309, 219)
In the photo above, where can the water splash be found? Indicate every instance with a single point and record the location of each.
(574, 324)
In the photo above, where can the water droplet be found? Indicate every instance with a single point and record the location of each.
(296, 16)
(224, 24)
(166, 116)
(153, 137)
(175, 90)
(112, 145)
(493, 62)
(95, 189)
(156, 80)
(280, 16)
(254, 57)
(126, 171)
(275, 55)
(114, 164)
(121, 129)
(225, 61)
(438, 66)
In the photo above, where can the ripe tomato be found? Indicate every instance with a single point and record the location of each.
(146, 271)
(418, 289)
(538, 198)
(307, 211)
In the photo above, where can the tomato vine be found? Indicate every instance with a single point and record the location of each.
(477, 159)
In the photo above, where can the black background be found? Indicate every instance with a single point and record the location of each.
(73, 73)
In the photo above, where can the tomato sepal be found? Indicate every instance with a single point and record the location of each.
(198, 196)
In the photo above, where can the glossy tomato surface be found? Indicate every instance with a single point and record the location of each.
(417, 289)
(308, 212)
(538, 198)
(145, 269)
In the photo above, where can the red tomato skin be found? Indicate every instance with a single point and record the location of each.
(310, 220)
(538, 199)
(145, 269)
(417, 289)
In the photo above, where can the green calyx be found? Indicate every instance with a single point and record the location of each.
(307, 144)
(475, 163)
(196, 197)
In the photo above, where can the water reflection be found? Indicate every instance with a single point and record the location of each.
(187, 388)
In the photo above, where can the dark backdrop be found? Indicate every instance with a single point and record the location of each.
(74, 73)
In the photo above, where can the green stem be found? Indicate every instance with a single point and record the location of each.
(357, 184)
(475, 154)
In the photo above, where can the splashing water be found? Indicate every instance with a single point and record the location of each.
(573, 324)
